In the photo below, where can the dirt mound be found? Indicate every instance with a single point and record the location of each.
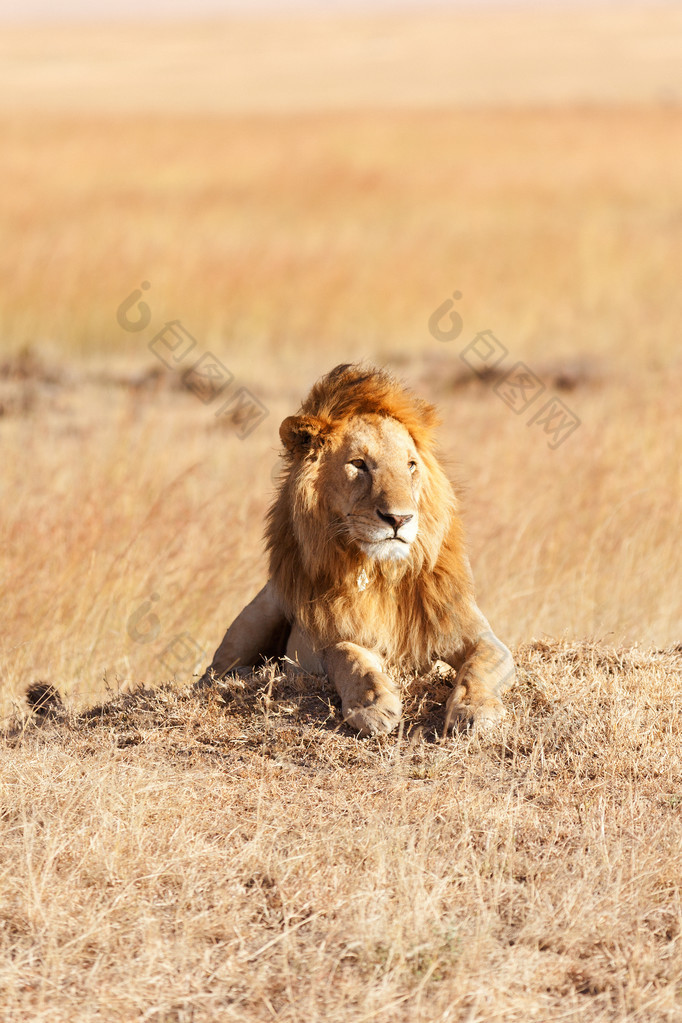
(300, 716)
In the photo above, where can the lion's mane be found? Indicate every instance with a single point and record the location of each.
(410, 610)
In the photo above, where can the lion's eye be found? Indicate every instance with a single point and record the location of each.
(359, 463)
(412, 466)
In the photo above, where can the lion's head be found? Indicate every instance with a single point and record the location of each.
(365, 518)
(369, 478)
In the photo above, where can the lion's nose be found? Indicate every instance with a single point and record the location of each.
(394, 520)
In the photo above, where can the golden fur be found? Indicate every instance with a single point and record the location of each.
(367, 558)
(411, 605)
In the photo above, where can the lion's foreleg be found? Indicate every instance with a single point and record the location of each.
(485, 670)
(369, 700)
(259, 631)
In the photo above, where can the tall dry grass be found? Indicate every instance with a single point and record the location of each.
(237, 854)
(303, 238)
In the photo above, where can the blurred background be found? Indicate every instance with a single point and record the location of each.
(485, 198)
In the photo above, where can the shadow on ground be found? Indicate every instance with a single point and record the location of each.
(298, 721)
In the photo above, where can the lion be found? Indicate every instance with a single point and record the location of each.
(368, 570)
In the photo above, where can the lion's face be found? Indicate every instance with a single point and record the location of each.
(371, 475)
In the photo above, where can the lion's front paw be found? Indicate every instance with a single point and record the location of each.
(378, 711)
(461, 711)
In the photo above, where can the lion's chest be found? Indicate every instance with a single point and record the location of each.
(392, 620)
(381, 620)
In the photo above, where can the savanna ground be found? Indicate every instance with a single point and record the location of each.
(235, 853)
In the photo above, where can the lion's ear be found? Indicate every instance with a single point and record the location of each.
(300, 433)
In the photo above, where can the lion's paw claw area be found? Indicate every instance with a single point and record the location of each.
(379, 713)
(462, 714)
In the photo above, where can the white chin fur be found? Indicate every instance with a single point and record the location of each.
(385, 550)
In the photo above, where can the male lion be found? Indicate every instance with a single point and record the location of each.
(367, 559)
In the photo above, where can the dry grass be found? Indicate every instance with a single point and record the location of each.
(310, 237)
(235, 853)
